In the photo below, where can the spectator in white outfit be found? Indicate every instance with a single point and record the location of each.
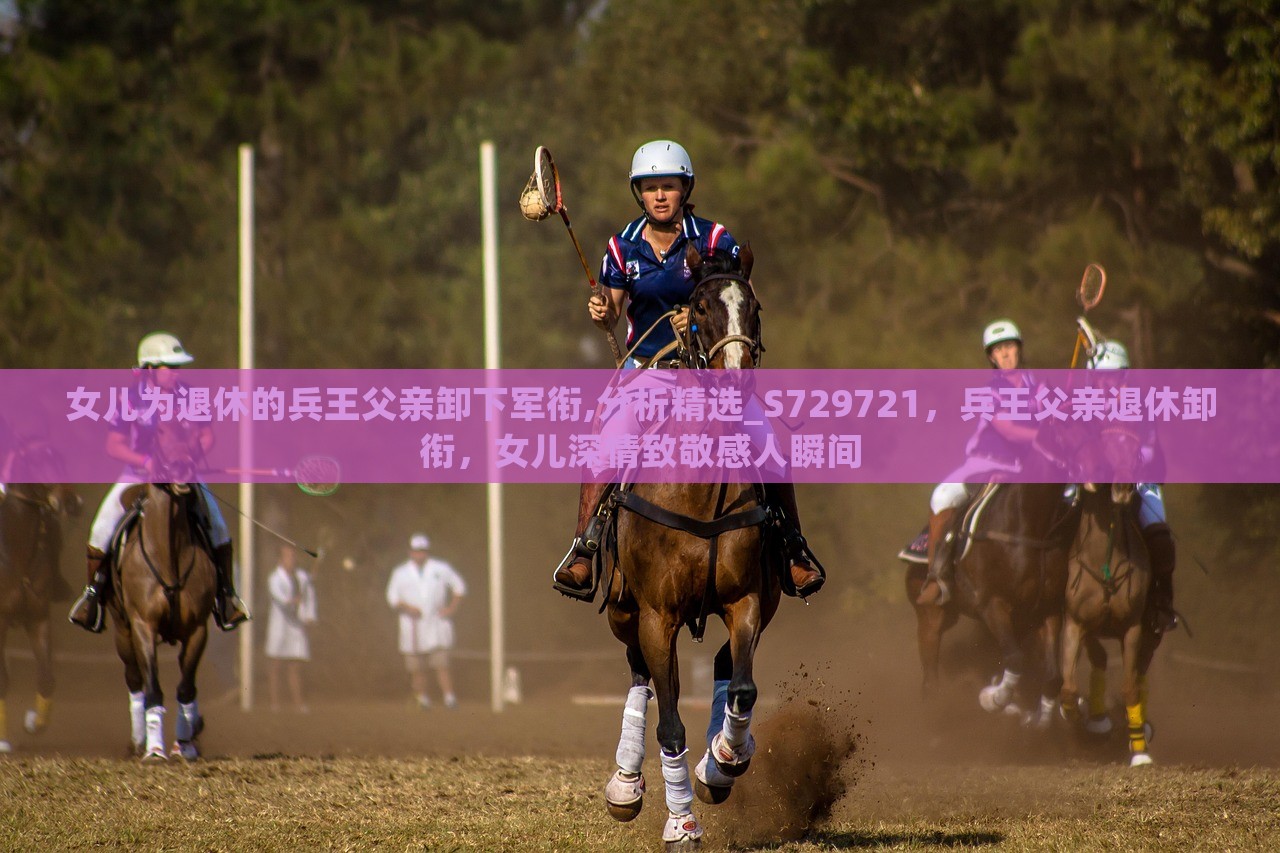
(293, 609)
(426, 592)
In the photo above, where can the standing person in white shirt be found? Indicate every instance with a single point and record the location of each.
(426, 592)
(293, 609)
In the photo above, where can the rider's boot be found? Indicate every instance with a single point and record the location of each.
(573, 577)
(937, 585)
(806, 579)
(228, 610)
(1159, 540)
(89, 611)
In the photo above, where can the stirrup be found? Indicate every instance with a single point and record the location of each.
(94, 618)
(223, 603)
(577, 549)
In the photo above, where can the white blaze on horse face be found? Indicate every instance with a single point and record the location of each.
(734, 298)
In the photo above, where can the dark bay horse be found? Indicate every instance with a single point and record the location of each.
(1108, 582)
(30, 577)
(1010, 576)
(685, 552)
(163, 591)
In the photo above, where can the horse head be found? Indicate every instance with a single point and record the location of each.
(176, 452)
(36, 471)
(724, 321)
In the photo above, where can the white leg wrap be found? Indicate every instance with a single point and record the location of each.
(137, 719)
(185, 725)
(997, 696)
(155, 730)
(630, 755)
(675, 772)
(736, 729)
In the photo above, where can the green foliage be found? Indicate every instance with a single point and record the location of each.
(905, 172)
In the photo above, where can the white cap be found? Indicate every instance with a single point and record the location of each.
(419, 542)
(999, 332)
(162, 348)
(1110, 355)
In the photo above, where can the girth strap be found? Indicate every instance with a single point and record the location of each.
(709, 530)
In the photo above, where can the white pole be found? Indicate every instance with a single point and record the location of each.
(246, 543)
(492, 361)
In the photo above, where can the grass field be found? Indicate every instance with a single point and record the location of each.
(530, 803)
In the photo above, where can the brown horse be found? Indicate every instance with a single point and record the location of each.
(1010, 576)
(1109, 577)
(30, 578)
(163, 591)
(683, 553)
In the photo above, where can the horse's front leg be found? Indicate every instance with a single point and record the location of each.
(624, 792)
(1069, 697)
(658, 632)
(133, 681)
(1132, 651)
(1049, 640)
(189, 723)
(39, 635)
(144, 647)
(1099, 721)
(997, 616)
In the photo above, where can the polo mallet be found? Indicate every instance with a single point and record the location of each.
(542, 197)
(1089, 294)
(315, 475)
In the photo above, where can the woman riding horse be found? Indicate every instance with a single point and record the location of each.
(998, 445)
(647, 275)
(133, 443)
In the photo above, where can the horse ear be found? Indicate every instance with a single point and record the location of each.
(746, 258)
(692, 258)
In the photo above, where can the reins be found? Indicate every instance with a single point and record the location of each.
(171, 591)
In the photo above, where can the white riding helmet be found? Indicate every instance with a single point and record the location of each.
(999, 332)
(1110, 355)
(661, 158)
(162, 348)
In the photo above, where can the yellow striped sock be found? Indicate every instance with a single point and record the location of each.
(1137, 737)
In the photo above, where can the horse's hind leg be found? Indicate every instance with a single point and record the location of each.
(658, 634)
(624, 793)
(733, 747)
(1049, 641)
(711, 784)
(37, 719)
(1069, 697)
(189, 723)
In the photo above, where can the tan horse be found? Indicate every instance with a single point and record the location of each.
(1109, 574)
(31, 540)
(686, 552)
(163, 592)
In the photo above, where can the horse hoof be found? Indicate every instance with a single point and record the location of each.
(709, 784)
(624, 796)
(732, 763)
(5, 747)
(155, 755)
(31, 722)
(1140, 759)
(682, 832)
(1099, 725)
(994, 699)
(712, 796)
(186, 750)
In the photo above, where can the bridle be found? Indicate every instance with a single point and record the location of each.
(694, 354)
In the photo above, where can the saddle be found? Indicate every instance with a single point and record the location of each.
(133, 499)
